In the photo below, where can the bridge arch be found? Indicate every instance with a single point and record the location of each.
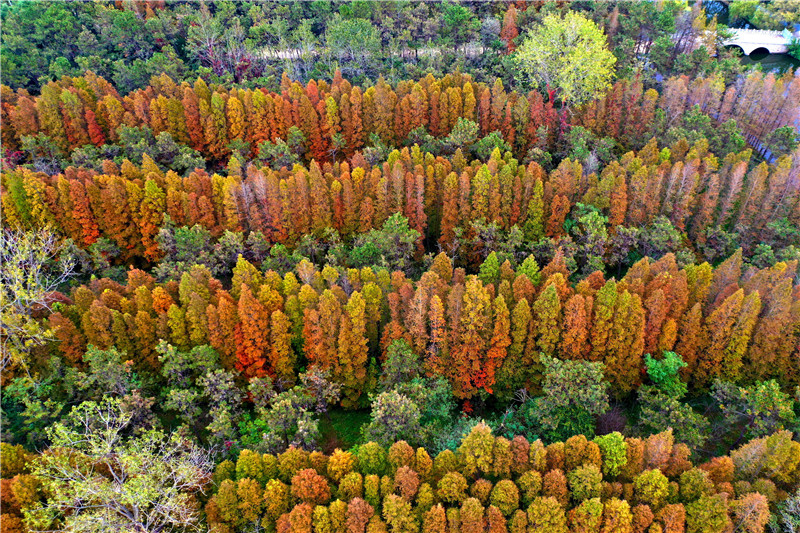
(759, 41)
(736, 47)
(760, 51)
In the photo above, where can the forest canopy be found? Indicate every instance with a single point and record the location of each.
(361, 267)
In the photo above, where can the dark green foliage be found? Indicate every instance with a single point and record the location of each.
(573, 394)
(759, 410)
(661, 406)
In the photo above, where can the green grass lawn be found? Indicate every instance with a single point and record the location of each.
(342, 429)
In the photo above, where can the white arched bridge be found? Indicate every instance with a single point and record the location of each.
(774, 42)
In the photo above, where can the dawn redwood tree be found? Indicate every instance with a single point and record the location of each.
(351, 367)
(509, 31)
(252, 335)
(468, 373)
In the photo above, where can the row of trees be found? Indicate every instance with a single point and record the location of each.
(495, 484)
(339, 118)
(334, 118)
(251, 42)
(760, 104)
(442, 198)
(610, 483)
(484, 334)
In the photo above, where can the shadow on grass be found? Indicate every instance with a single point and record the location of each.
(342, 429)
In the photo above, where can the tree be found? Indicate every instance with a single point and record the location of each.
(310, 487)
(399, 515)
(707, 514)
(452, 488)
(352, 360)
(281, 354)
(661, 406)
(576, 328)
(750, 512)
(459, 24)
(28, 279)
(614, 451)
(546, 324)
(587, 516)
(359, 513)
(252, 335)
(468, 373)
(585, 482)
(476, 451)
(355, 43)
(99, 477)
(509, 32)
(546, 515)
(505, 496)
(151, 215)
(500, 341)
(579, 66)
(394, 417)
(288, 419)
(760, 409)
(574, 392)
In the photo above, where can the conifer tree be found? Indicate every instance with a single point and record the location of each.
(509, 31)
(574, 343)
(352, 363)
(499, 343)
(546, 323)
(603, 317)
(512, 374)
(281, 353)
(151, 213)
(719, 324)
(469, 354)
(253, 337)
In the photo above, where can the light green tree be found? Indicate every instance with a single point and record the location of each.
(31, 271)
(99, 478)
(354, 43)
(567, 55)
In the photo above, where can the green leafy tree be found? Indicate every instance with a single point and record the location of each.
(354, 43)
(394, 417)
(289, 418)
(664, 373)
(758, 410)
(98, 477)
(661, 407)
(459, 24)
(573, 394)
(31, 273)
(402, 364)
(782, 140)
(391, 246)
(568, 55)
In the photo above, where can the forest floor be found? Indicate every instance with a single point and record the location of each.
(342, 429)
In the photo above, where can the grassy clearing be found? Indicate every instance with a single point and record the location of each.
(342, 429)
